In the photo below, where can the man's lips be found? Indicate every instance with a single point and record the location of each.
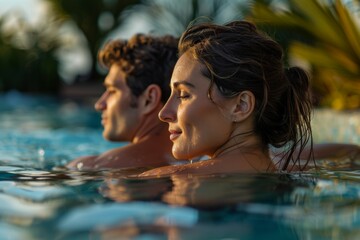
(103, 120)
(174, 134)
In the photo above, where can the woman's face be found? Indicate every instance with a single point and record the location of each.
(197, 126)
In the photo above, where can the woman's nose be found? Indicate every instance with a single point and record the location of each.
(167, 113)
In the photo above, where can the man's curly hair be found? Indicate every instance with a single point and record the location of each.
(144, 59)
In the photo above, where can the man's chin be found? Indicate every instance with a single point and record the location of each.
(111, 138)
(107, 137)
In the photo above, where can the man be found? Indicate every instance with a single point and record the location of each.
(137, 86)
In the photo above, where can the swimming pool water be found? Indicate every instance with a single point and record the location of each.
(41, 200)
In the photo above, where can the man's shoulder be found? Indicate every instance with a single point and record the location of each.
(106, 159)
(142, 154)
(80, 162)
(125, 151)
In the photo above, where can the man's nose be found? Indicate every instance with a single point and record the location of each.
(100, 104)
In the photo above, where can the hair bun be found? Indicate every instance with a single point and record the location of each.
(297, 78)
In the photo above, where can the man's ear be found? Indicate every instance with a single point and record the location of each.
(243, 106)
(150, 98)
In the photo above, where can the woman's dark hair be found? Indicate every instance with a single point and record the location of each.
(239, 57)
(144, 59)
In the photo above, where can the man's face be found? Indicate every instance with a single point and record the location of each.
(120, 116)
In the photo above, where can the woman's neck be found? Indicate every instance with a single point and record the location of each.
(244, 150)
(244, 140)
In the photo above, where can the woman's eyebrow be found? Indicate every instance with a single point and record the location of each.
(186, 83)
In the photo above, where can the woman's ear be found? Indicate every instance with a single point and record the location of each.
(150, 98)
(244, 106)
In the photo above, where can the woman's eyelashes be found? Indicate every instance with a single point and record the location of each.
(183, 94)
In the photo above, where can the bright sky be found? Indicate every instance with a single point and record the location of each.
(31, 9)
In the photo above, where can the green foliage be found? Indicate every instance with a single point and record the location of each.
(29, 55)
(88, 16)
(28, 62)
(326, 35)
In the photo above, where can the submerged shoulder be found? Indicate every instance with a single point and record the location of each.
(198, 167)
(165, 171)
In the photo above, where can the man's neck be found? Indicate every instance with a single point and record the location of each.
(149, 128)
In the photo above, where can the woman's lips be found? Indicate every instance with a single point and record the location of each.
(174, 134)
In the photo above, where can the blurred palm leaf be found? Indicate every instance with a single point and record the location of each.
(173, 17)
(331, 45)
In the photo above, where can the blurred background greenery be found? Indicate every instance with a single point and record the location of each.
(58, 51)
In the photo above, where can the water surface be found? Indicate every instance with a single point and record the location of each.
(41, 200)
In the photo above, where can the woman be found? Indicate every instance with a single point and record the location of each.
(231, 99)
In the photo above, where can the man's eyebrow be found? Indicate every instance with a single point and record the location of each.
(186, 83)
(107, 85)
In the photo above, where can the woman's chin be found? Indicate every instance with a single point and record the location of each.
(182, 155)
